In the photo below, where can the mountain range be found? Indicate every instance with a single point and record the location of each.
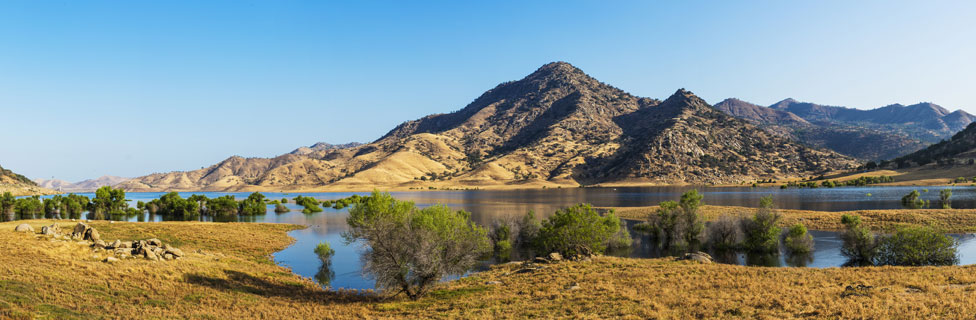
(882, 133)
(555, 127)
(88, 185)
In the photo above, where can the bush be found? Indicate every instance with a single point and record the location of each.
(724, 233)
(918, 246)
(677, 225)
(280, 208)
(797, 240)
(620, 239)
(577, 231)
(253, 205)
(173, 206)
(944, 196)
(311, 205)
(912, 200)
(860, 246)
(408, 250)
(109, 201)
(222, 206)
(761, 232)
(324, 251)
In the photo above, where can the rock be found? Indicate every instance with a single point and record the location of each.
(154, 242)
(79, 231)
(92, 234)
(126, 244)
(110, 260)
(555, 257)
(698, 256)
(23, 227)
(115, 244)
(573, 286)
(149, 255)
(540, 260)
(175, 252)
(111, 221)
(158, 251)
(99, 244)
(168, 256)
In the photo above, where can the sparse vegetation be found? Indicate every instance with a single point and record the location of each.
(678, 225)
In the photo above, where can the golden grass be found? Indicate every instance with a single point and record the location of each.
(951, 220)
(56, 279)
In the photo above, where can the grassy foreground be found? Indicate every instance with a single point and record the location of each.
(951, 220)
(234, 278)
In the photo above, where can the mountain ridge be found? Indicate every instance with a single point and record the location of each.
(556, 126)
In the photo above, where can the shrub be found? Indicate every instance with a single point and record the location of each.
(528, 230)
(175, 207)
(280, 208)
(577, 230)
(222, 206)
(724, 233)
(911, 200)
(918, 246)
(311, 205)
(860, 246)
(798, 240)
(944, 196)
(324, 251)
(408, 250)
(27, 208)
(761, 232)
(677, 225)
(253, 205)
(284, 200)
(109, 201)
(620, 239)
(7, 204)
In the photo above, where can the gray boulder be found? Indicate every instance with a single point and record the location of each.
(79, 231)
(115, 244)
(698, 256)
(23, 227)
(92, 235)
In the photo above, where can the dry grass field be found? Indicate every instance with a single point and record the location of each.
(951, 220)
(227, 274)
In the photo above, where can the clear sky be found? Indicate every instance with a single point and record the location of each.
(128, 88)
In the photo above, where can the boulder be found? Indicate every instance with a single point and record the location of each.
(168, 256)
(540, 260)
(175, 252)
(79, 231)
(555, 257)
(92, 235)
(99, 244)
(149, 255)
(698, 256)
(111, 259)
(23, 227)
(154, 242)
(115, 244)
(126, 244)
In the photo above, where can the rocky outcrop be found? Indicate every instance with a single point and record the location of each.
(699, 256)
(23, 227)
(150, 249)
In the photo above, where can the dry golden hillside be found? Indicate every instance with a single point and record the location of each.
(555, 127)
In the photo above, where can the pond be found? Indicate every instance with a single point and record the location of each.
(485, 206)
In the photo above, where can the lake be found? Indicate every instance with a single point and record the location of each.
(485, 206)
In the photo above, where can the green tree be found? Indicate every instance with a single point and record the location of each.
(798, 240)
(918, 246)
(860, 246)
(52, 206)
(222, 206)
(7, 204)
(28, 208)
(761, 232)
(109, 201)
(253, 205)
(944, 196)
(408, 250)
(577, 230)
(174, 207)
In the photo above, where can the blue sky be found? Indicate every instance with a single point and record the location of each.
(129, 88)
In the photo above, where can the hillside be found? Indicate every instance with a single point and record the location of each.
(881, 133)
(556, 127)
(19, 185)
(87, 185)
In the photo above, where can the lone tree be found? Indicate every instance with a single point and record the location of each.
(408, 249)
(944, 196)
(578, 230)
(761, 232)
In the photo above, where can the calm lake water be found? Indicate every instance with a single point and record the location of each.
(485, 206)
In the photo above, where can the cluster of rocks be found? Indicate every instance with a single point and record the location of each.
(151, 249)
(697, 256)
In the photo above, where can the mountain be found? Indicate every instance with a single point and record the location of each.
(19, 185)
(556, 127)
(88, 185)
(960, 149)
(321, 146)
(881, 133)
